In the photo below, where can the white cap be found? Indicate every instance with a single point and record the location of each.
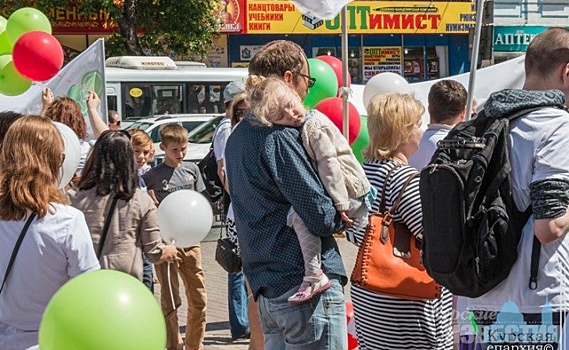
(232, 89)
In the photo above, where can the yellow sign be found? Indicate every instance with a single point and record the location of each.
(364, 17)
(381, 59)
(135, 92)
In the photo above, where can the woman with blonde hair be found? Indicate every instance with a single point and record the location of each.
(383, 321)
(56, 244)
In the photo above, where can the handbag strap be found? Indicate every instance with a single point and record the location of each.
(106, 226)
(382, 205)
(398, 200)
(16, 248)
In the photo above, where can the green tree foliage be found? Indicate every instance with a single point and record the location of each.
(183, 28)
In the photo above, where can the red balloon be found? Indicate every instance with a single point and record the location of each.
(332, 108)
(37, 56)
(352, 342)
(336, 65)
(349, 311)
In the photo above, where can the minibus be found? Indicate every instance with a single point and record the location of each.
(145, 86)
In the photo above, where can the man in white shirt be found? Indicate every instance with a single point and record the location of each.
(447, 107)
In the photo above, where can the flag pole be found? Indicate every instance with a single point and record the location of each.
(345, 85)
(474, 58)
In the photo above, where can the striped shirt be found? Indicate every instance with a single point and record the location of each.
(384, 322)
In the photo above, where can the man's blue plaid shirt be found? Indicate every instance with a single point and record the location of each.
(268, 171)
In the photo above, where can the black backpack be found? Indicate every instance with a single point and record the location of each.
(471, 225)
(208, 168)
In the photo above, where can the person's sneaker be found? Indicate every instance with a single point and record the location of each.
(311, 286)
(242, 336)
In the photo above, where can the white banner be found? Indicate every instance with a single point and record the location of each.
(505, 75)
(323, 9)
(84, 73)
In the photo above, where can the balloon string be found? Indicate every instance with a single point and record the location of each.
(170, 287)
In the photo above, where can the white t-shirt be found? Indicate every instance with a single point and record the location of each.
(219, 141)
(539, 150)
(55, 249)
(85, 149)
(428, 145)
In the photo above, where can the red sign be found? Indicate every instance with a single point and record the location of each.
(233, 16)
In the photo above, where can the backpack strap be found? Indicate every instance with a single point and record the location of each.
(17, 248)
(106, 226)
(382, 203)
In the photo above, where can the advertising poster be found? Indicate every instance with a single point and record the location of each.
(364, 17)
(381, 59)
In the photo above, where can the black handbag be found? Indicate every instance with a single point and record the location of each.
(227, 254)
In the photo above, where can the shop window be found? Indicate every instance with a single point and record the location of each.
(421, 63)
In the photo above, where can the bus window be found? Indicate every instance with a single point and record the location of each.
(112, 103)
(168, 99)
(138, 100)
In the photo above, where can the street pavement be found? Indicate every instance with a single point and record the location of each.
(218, 336)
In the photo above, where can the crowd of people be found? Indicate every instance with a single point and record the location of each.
(291, 183)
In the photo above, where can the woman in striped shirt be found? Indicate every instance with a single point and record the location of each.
(383, 321)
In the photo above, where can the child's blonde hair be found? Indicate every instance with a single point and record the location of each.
(140, 138)
(266, 99)
(173, 133)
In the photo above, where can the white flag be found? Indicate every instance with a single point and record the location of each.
(323, 9)
(84, 73)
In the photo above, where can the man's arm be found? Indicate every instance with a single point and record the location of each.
(550, 201)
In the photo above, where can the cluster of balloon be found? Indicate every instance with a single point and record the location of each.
(323, 96)
(103, 309)
(185, 217)
(28, 51)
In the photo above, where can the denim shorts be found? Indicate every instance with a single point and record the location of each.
(319, 324)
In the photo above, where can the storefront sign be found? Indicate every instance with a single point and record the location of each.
(233, 14)
(380, 60)
(515, 38)
(364, 17)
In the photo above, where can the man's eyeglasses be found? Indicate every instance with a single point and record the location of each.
(310, 81)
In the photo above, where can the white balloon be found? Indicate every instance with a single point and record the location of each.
(72, 150)
(185, 218)
(384, 83)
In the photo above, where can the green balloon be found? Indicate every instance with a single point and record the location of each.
(12, 83)
(5, 46)
(326, 82)
(24, 20)
(93, 81)
(362, 141)
(103, 309)
(3, 22)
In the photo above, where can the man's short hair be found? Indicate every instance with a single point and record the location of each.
(173, 133)
(276, 57)
(547, 51)
(447, 99)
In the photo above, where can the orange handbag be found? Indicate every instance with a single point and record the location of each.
(389, 256)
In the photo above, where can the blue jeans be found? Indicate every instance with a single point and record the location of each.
(319, 324)
(147, 275)
(237, 302)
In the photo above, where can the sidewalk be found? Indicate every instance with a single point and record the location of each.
(217, 335)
